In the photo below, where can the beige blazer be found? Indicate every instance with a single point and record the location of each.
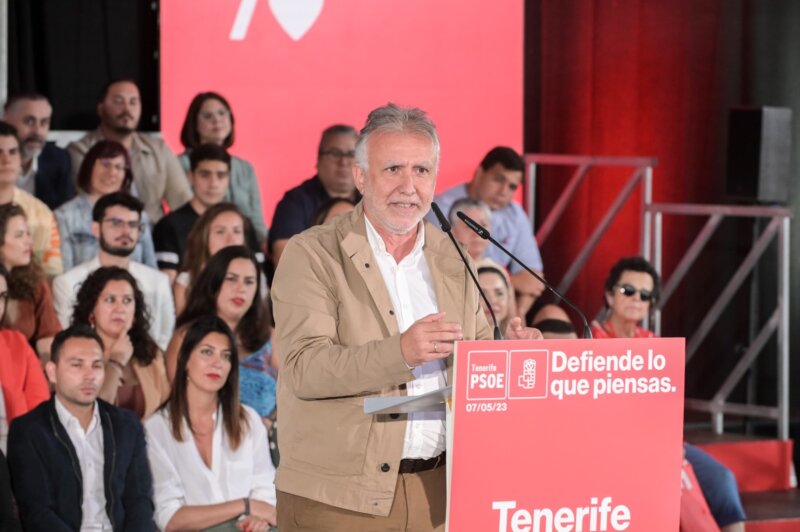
(339, 341)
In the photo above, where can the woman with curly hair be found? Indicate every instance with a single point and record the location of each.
(30, 307)
(220, 226)
(110, 301)
(105, 169)
(228, 286)
(209, 120)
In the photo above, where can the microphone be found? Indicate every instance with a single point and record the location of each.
(484, 234)
(445, 224)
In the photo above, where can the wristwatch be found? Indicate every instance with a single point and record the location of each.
(246, 506)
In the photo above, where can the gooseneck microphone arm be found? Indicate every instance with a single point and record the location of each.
(484, 233)
(447, 229)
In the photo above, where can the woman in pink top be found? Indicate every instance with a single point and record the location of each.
(21, 376)
(632, 285)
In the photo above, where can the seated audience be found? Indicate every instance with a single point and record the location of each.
(495, 182)
(478, 211)
(105, 170)
(30, 303)
(294, 213)
(158, 174)
(45, 241)
(208, 452)
(117, 226)
(8, 515)
(496, 284)
(229, 285)
(109, 300)
(210, 121)
(46, 168)
(77, 462)
(332, 208)
(220, 226)
(632, 287)
(209, 174)
(21, 377)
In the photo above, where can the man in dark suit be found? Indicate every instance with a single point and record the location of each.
(46, 168)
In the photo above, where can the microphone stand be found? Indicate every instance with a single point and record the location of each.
(484, 233)
(445, 225)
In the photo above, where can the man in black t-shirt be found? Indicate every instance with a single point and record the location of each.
(295, 212)
(209, 175)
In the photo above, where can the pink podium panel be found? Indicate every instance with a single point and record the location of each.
(567, 435)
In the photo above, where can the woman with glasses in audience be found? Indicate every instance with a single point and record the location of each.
(631, 290)
(21, 376)
(105, 169)
(210, 121)
(222, 225)
(110, 301)
(208, 452)
(229, 286)
(29, 307)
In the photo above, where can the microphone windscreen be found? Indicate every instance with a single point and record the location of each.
(443, 222)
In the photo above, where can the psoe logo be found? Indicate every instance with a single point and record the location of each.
(528, 374)
(295, 16)
(487, 376)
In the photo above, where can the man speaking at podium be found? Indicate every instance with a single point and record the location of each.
(371, 304)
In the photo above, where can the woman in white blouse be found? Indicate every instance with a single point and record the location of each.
(208, 452)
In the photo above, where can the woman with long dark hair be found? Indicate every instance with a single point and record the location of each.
(105, 169)
(209, 120)
(229, 286)
(29, 307)
(207, 451)
(110, 301)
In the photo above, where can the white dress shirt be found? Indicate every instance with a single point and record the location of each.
(89, 448)
(181, 477)
(410, 288)
(153, 283)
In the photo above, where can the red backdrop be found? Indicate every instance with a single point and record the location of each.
(631, 77)
(454, 59)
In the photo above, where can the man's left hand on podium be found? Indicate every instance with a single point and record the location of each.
(517, 331)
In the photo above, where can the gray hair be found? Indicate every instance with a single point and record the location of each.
(462, 204)
(391, 118)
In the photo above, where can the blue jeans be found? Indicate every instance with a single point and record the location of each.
(718, 485)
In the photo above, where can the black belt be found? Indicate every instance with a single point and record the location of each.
(417, 465)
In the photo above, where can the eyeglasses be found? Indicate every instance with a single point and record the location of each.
(339, 154)
(630, 291)
(116, 223)
(109, 164)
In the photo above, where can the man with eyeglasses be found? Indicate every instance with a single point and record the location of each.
(495, 182)
(295, 212)
(118, 225)
(157, 174)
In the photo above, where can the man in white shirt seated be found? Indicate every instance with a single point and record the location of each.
(117, 226)
(79, 463)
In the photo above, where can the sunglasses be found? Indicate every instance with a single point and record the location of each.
(630, 291)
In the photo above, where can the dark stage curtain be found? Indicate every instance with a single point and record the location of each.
(69, 49)
(646, 78)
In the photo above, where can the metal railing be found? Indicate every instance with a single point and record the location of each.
(641, 176)
(778, 322)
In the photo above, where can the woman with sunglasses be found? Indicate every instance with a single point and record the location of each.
(105, 169)
(632, 285)
(631, 289)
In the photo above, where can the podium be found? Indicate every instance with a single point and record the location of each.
(561, 435)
